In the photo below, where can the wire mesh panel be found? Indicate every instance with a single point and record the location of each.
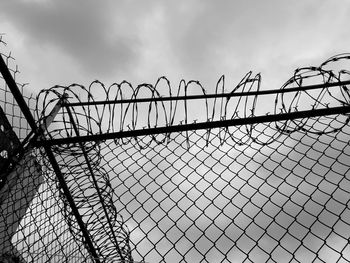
(149, 174)
(32, 226)
(234, 203)
(7, 101)
(234, 186)
(281, 202)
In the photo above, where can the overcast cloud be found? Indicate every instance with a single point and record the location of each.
(66, 41)
(79, 41)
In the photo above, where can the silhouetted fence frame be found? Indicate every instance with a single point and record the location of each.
(43, 139)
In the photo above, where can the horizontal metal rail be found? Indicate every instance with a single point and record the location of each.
(210, 96)
(199, 126)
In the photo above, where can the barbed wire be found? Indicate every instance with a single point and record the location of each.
(104, 176)
(120, 107)
(98, 109)
(324, 97)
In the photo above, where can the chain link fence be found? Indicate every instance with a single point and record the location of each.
(32, 227)
(134, 177)
(284, 202)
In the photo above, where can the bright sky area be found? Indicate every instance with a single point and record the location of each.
(64, 42)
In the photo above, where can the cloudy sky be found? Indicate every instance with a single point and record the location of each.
(61, 42)
(78, 41)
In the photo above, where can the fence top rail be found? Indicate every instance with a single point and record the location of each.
(199, 126)
(210, 96)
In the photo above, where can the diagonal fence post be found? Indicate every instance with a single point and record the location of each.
(27, 177)
(21, 180)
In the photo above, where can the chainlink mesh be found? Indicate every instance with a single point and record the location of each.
(32, 227)
(283, 202)
(273, 191)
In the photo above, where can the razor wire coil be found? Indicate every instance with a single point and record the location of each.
(259, 192)
(92, 116)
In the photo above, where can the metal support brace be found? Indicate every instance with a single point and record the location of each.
(200, 126)
(43, 127)
(95, 182)
(75, 210)
(38, 133)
